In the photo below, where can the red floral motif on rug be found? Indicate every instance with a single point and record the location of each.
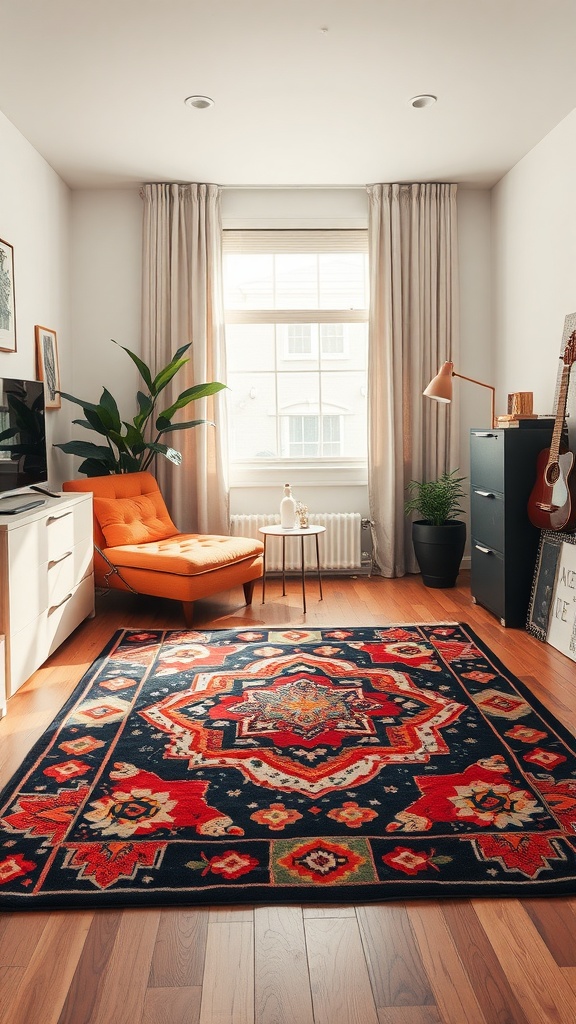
(347, 764)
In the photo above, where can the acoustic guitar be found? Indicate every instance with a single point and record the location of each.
(552, 503)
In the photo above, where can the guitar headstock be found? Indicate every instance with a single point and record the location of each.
(569, 356)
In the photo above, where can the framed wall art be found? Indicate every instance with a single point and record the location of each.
(47, 361)
(543, 582)
(562, 618)
(7, 298)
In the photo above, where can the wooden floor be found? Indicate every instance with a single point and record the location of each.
(481, 961)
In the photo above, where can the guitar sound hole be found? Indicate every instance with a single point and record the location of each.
(552, 473)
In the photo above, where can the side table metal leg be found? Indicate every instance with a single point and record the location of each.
(318, 567)
(264, 570)
(303, 572)
(283, 566)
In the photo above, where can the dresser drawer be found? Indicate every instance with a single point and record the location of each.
(65, 573)
(487, 459)
(488, 577)
(487, 517)
(43, 540)
(41, 637)
(59, 534)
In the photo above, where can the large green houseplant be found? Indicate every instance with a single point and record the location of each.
(438, 535)
(131, 446)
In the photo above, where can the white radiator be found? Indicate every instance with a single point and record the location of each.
(340, 547)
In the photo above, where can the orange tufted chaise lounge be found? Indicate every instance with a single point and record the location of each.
(133, 533)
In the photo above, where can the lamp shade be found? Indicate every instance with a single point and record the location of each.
(440, 387)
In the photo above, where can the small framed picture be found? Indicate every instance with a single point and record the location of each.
(7, 299)
(562, 619)
(48, 370)
(543, 583)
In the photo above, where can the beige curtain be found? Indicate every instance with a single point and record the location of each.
(413, 330)
(182, 302)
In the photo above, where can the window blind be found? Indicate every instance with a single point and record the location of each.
(297, 241)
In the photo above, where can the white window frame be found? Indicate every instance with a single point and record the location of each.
(328, 471)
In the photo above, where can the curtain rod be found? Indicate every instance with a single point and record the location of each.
(289, 188)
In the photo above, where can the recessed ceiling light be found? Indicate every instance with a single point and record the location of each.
(425, 100)
(199, 102)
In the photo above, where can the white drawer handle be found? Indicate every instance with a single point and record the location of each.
(485, 551)
(485, 494)
(56, 561)
(55, 607)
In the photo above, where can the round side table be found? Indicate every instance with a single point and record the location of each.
(302, 532)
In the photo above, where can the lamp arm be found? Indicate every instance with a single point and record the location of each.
(482, 385)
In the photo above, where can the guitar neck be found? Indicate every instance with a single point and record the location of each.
(560, 414)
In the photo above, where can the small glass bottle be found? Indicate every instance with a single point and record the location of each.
(287, 510)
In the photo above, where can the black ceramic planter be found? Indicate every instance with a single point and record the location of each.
(439, 551)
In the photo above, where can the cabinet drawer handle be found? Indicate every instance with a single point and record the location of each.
(485, 551)
(484, 494)
(55, 519)
(54, 607)
(483, 433)
(55, 561)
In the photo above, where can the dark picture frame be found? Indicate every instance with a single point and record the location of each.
(544, 581)
(7, 298)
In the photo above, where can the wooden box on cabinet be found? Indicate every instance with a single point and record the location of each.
(46, 581)
(504, 544)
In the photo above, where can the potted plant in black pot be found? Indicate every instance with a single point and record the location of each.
(438, 535)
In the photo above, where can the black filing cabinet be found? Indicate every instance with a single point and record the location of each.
(504, 544)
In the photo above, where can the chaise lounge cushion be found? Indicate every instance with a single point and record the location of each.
(135, 520)
(186, 554)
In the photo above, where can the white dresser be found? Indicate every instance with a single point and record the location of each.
(46, 580)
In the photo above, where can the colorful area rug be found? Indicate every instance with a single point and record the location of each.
(286, 765)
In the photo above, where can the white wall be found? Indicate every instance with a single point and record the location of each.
(106, 285)
(476, 334)
(35, 220)
(534, 266)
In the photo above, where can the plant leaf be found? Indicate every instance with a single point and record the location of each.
(191, 395)
(129, 463)
(163, 449)
(92, 467)
(165, 376)
(145, 372)
(78, 401)
(88, 450)
(134, 438)
(108, 402)
(165, 429)
(95, 421)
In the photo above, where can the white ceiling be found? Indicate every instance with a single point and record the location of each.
(307, 92)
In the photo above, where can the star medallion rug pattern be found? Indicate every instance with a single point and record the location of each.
(292, 765)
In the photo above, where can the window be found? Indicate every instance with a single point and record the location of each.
(296, 338)
(313, 436)
(332, 339)
(299, 338)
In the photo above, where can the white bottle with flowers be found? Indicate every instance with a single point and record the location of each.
(287, 509)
